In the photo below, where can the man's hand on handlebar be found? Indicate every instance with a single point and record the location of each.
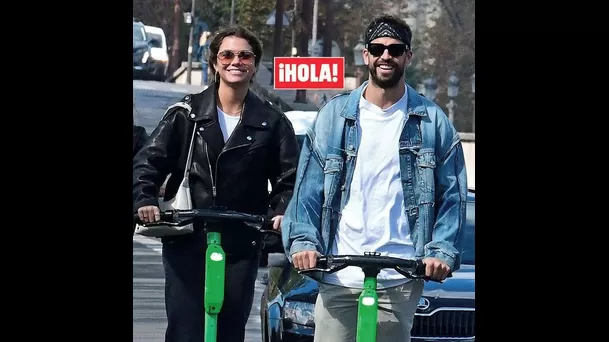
(305, 259)
(436, 269)
(277, 222)
(149, 214)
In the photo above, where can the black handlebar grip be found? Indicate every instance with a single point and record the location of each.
(419, 268)
(267, 225)
(166, 216)
(420, 271)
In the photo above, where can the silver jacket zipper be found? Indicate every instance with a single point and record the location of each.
(211, 175)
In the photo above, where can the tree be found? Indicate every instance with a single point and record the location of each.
(350, 20)
(451, 47)
(278, 27)
(253, 15)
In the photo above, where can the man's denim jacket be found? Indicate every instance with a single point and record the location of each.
(432, 170)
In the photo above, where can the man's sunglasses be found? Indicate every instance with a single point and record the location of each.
(227, 56)
(395, 50)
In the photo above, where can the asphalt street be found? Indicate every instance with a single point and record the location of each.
(149, 321)
(153, 98)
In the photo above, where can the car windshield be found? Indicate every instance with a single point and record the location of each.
(156, 36)
(469, 242)
(138, 33)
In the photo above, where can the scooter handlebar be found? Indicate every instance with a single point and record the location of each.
(184, 217)
(410, 268)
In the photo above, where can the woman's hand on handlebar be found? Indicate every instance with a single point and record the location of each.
(436, 269)
(149, 214)
(277, 222)
(305, 259)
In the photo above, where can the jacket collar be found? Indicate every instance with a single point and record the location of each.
(205, 109)
(414, 105)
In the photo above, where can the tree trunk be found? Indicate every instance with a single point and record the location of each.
(279, 10)
(305, 19)
(328, 29)
(175, 48)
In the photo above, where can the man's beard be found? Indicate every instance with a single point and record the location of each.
(386, 82)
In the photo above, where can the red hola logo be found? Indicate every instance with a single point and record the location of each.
(309, 73)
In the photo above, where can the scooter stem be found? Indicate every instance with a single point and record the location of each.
(367, 312)
(215, 261)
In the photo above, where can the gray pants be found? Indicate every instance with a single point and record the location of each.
(336, 312)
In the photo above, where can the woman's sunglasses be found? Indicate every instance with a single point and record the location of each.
(227, 56)
(395, 50)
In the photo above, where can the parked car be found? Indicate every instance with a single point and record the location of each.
(445, 312)
(141, 50)
(159, 57)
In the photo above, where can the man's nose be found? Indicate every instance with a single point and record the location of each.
(386, 54)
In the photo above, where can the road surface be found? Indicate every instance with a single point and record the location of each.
(149, 321)
(153, 98)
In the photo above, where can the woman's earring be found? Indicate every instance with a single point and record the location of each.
(217, 77)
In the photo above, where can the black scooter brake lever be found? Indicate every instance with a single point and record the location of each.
(331, 269)
(409, 275)
(165, 223)
(316, 269)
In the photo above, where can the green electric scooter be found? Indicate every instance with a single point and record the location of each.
(215, 263)
(371, 264)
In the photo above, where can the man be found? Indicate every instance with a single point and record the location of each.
(382, 170)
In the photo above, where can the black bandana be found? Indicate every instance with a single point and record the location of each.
(384, 29)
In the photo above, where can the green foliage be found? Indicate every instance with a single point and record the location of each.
(253, 15)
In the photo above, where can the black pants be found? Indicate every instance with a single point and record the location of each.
(184, 263)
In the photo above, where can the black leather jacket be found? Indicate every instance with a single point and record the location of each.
(235, 176)
(139, 138)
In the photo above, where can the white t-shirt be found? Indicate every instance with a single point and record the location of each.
(374, 218)
(227, 123)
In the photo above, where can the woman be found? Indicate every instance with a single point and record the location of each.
(242, 143)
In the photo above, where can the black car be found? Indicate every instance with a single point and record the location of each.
(142, 67)
(446, 312)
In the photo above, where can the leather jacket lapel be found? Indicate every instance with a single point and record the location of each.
(206, 115)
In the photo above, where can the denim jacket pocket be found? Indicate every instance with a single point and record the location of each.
(332, 172)
(426, 165)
